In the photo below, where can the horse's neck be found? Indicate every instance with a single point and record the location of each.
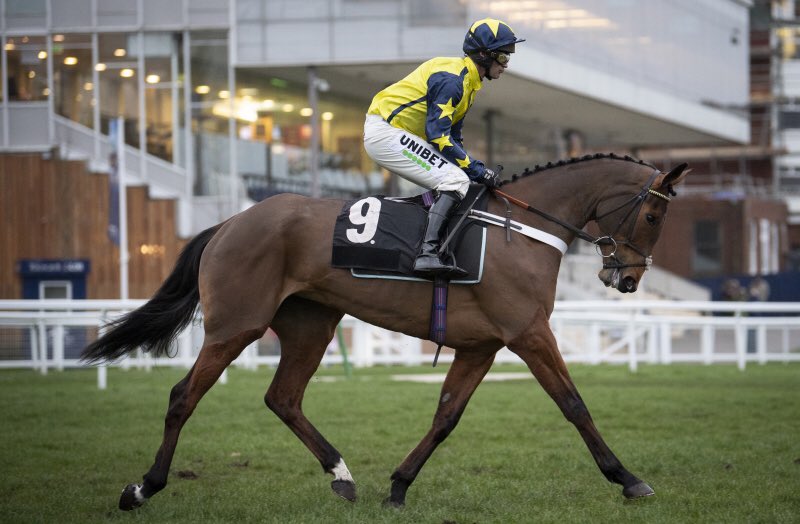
(568, 195)
(574, 194)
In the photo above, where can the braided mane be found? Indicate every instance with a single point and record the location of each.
(550, 165)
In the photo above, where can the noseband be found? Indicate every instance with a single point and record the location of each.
(634, 204)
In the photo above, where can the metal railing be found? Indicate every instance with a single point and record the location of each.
(49, 335)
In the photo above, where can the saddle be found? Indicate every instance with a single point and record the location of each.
(379, 237)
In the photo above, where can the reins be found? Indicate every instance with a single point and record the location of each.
(635, 204)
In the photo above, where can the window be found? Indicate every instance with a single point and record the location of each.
(119, 87)
(27, 68)
(55, 289)
(707, 254)
(72, 77)
(789, 119)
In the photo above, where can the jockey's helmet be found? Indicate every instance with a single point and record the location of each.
(490, 34)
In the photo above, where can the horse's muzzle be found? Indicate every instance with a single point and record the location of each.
(613, 277)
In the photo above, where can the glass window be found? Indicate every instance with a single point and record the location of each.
(72, 77)
(209, 82)
(163, 93)
(27, 68)
(118, 89)
(790, 119)
(707, 251)
(274, 129)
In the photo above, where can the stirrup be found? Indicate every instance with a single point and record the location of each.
(437, 267)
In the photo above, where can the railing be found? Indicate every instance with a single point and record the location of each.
(49, 334)
(163, 176)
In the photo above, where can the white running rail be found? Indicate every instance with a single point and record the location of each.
(49, 334)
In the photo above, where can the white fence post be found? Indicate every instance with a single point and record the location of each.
(631, 336)
(707, 344)
(741, 342)
(58, 346)
(665, 339)
(102, 376)
(42, 346)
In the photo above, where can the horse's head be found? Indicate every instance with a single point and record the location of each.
(631, 229)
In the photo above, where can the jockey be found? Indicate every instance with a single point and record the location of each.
(413, 128)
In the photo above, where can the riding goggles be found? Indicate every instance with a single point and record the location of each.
(500, 57)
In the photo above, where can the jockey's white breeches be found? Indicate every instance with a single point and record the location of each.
(411, 157)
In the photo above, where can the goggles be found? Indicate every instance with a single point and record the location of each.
(500, 57)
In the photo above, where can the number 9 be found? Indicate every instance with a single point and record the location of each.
(364, 213)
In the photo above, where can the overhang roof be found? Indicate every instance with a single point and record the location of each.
(530, 105)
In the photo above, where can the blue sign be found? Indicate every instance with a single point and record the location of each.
(35, 271)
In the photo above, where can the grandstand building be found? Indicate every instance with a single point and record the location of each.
(225, 102)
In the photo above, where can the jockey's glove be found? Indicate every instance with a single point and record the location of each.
(490, 179)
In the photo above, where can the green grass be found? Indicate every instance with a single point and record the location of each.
(716, 444)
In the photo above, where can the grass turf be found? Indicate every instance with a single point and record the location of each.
(716, 444)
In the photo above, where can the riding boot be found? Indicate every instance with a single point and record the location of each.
(428, 262)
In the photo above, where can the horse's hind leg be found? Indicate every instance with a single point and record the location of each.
(537, 347)
(305, 328)
(466, 372)
(211, 362)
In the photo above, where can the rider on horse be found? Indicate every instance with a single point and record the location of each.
(413, 128)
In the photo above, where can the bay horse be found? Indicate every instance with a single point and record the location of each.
(269, 266)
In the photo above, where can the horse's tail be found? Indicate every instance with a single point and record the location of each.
(157, 323)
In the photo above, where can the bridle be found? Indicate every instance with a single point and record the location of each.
(634, 205)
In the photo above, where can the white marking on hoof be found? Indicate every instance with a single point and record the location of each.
(340, 472)
(137, 493)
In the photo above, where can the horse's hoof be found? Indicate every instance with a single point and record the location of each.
(345, 489)
(638, 490)
(389, 503)
(131, 497)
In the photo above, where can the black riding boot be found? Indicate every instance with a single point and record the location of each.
(428, 262)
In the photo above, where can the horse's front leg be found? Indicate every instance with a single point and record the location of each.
(464, 375)
(537, 347)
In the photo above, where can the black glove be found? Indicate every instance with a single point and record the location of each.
(490, 179)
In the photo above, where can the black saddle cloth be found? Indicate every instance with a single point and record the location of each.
(379, 237)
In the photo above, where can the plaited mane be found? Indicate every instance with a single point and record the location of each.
(550, 165)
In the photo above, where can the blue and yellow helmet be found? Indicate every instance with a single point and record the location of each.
(490, 34)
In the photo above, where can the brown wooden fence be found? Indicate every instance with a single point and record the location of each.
(57, 209)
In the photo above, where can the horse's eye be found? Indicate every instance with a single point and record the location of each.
(651, 219)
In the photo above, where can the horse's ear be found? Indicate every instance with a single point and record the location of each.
(675, 176)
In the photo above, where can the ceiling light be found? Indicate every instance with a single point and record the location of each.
(42, 55)
(224, 95)
(306, 111)
(202, 90)
(119, 52)
(288, 108)
(152, 79)
(327, 115)
(100, 66)
(126, 73)
(70, 60)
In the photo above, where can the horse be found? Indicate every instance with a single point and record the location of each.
(269, 267)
